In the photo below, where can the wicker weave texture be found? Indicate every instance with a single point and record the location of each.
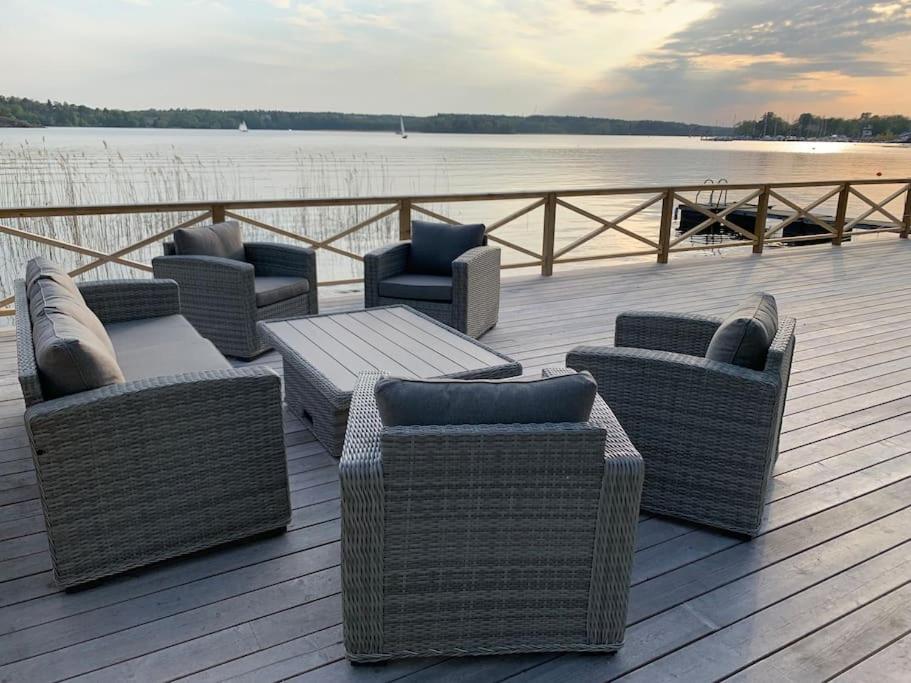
(708, 431)
(131, 474)
(485, 539)
(218, 295)
(475, 305)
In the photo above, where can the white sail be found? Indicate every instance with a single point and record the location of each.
(242, 127)
(402, 128)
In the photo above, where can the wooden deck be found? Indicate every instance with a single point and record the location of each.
(824, 592)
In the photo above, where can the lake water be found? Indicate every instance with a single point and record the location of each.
(54, 166)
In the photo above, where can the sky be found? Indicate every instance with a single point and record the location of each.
(701, 61)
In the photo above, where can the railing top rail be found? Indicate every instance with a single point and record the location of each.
(202, 205)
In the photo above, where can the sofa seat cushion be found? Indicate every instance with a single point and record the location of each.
(434, 246)
(746, 334)
(72, 350)
(532, 400)
(223, 240)
(270, 289)
(161, 347)
(415, 286)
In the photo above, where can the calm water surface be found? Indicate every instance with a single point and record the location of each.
(82, 166)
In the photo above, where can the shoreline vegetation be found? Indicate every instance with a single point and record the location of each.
(23, 112)
(19, 112)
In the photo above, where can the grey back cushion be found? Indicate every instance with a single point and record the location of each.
(223, 240)
(746, 334)
(434, 246)
(40, 268)
(40, 273)
(71, 356)
(563, 398)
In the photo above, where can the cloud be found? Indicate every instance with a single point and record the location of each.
(748, 53)
(599, 6)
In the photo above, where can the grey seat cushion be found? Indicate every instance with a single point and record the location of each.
(270, 289)
(223, 240)
(160, 347)
(417, 286)
(563, 398)
(746, 334)
(71, 355)
(434, 246)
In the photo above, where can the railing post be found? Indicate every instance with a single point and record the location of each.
(405, 219)
(906, 216)
(218, 213)
(762, 217)
(550, 230)
(664, 229)
(840, 214)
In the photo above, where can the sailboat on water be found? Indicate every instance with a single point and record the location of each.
(242, 127)
(402, 132)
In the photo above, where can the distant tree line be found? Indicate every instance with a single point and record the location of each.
(21, 111)
(807, 125)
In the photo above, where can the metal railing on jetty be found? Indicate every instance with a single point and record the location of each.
(757, 196)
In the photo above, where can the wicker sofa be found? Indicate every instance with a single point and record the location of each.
(225, 296)
(463, 292)
(183, 454)
(708, 430)
(485, 539)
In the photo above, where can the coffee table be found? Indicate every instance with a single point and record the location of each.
(323, 354)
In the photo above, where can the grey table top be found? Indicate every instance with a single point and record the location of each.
(394, 339)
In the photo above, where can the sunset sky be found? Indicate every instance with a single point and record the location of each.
(702, 61)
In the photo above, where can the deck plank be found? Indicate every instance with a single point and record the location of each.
(811, 597)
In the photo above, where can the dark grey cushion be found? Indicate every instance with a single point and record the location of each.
(563, 398)
(71, 356)
(417, 286)
(434, 246)
(270, 289)
(48, 283)
(223, 240)
(745, 335)
(40, 268)
(162, 347)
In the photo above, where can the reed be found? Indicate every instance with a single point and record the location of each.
(36, 175)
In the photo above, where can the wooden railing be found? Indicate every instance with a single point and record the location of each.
(660, 243)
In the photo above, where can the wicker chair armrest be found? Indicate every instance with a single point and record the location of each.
(386, 261)
(618, 449)
(686, 398)
(476, 289)
(480, 265)
(274, 259)
(207, 273)
(677, 332)
(117, 300)
(360, 474)
(152, 402)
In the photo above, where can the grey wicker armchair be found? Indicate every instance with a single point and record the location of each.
(707, 430)
(224, 298)
(152, 467)
(468, 299)
(485, 539)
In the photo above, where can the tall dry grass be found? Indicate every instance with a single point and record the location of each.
(37, 175)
